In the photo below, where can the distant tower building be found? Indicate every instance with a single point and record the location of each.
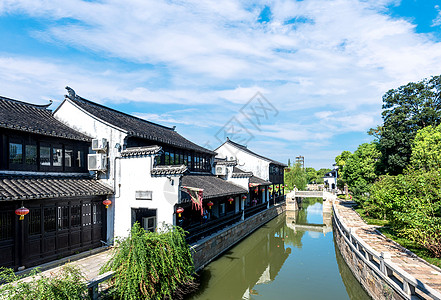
(300, 160)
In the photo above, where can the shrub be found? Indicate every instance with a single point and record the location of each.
(412, 204)
(69, 284)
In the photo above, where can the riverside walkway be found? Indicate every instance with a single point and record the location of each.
(89, 265)
(422, 271)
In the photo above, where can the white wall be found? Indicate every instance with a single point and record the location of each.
(246, 161)
(82, 121)
(136, 176)
(131, 174)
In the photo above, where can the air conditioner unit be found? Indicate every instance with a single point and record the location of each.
(221, 170)
(97, 162)
(99, 144)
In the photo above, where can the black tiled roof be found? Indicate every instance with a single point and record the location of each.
(213, 186)
(138, 127)
(259, 181)
(240, 173)
(42, 187)
(225, 162)
(245, 149)
(33, 118)
(169, 170)
(140, 151)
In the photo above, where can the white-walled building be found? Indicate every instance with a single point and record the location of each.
(266, 180)
(149, 166)
(330, 179)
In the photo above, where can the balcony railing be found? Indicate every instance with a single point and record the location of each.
(198, 232)
(255, 209)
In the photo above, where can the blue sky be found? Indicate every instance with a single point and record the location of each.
(320, 66)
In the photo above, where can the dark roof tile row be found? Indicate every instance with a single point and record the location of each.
(245, 149)
(212, 185)
(34, 118)
(136, 126)
(169, 170)
(237, 173)
(14, 187)
(140, 151)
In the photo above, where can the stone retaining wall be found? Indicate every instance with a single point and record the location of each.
(211, 247)
(371, 282)
(379, 276)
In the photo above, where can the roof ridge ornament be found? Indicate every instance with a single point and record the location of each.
(72, 95)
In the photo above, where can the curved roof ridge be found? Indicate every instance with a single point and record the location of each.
(38, 106)
(79, 98)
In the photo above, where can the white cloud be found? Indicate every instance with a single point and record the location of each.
(324, 64)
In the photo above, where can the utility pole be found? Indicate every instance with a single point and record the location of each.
(300, 160)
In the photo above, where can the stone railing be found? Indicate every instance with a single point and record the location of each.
(312, 194)
(404, 284)
(93, 284)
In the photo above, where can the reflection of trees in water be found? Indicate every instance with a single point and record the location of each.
(353, 287)
(292, 237)
(303, 212)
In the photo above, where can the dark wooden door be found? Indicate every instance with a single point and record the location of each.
(53, 229)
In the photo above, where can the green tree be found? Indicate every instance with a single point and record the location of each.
(311, 175)
(340, 161)
(426, 149)
(361, 168)
(296, 177)
(320, 173)
(411, 203)
(289, 163)
(406, 110)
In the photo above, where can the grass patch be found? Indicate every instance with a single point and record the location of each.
(369, 220)
(389, 233)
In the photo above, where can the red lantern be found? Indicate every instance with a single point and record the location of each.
(231, 200)
(256, 190)
(270, 188)
(262, 189)
(179, 211)
(22, 211)
(244, 197)
(210, 204)
(107, 202)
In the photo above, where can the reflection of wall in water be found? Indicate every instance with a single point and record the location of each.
(353, 287)
(256, 260)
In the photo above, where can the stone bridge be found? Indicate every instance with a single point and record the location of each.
(292, 206)
(293, 198)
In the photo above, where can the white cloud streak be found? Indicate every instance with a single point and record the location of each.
(331, 59)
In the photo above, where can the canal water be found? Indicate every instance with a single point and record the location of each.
(291, 257)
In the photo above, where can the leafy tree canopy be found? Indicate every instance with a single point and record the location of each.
(406, 110)
(361, 168)
(296, 177)
(426, 149)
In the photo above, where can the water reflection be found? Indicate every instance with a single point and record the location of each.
(281, 260)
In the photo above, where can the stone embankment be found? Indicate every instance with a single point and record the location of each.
(385, 269)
